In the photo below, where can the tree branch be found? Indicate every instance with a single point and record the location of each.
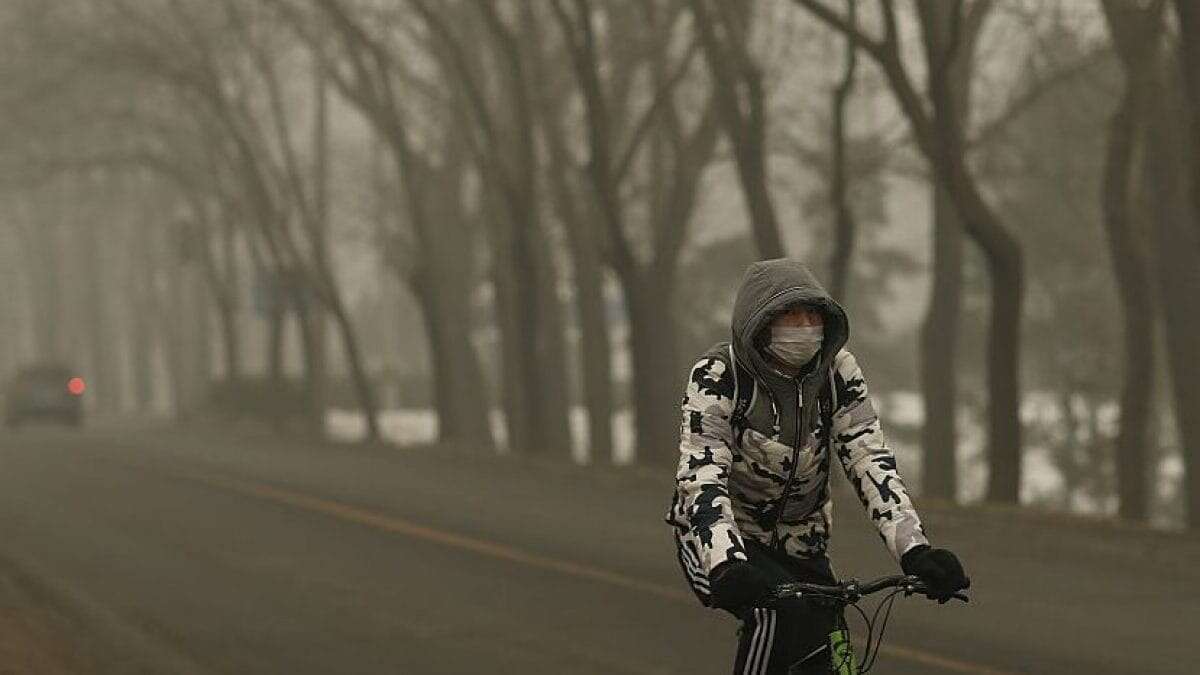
(836, 21)
(996, 126)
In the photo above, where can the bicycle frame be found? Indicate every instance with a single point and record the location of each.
(841, 653)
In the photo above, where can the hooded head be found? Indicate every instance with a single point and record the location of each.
(770, 287)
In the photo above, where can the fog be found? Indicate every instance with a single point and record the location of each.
(358, 241)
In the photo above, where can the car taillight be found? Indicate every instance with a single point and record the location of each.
(76, 386)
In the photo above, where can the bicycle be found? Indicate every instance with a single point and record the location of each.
(847, 594)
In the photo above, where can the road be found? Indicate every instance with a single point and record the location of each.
(207, 554)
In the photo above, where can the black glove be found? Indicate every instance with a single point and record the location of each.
(938, 568)
(737, 584)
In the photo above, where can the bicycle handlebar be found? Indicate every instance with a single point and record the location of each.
(852, 590)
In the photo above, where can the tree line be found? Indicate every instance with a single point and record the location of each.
(554, 155)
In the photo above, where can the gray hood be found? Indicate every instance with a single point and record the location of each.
(768, 287)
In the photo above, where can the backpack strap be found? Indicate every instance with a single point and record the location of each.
(743, 396)
(833, 386)
(827, 402)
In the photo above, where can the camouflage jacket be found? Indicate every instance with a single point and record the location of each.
(747, 473)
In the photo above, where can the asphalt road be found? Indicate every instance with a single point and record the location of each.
(207, 554)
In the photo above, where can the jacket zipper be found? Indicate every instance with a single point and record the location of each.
(796, 447)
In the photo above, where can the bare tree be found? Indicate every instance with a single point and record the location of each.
(241, 95)
(723, 27)
(938, 131)
(1179, 245)
(504, 142)
(370, 77)
(1172, 215)
(940, 330)
(1188, 15)
(1137, 38)
(677, 156)
(844, 222)
(576, 211)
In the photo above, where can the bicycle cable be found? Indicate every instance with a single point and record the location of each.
(848, 652)
(876, 628)
(871, 655)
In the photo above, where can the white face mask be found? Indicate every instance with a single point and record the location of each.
(795, 345)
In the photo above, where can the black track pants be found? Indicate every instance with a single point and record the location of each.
(770, 641)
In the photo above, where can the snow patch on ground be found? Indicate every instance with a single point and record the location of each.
(1040, 478)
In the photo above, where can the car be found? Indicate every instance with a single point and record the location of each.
(45, 392)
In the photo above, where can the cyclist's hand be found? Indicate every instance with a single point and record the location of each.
(737, 584)
(938, 568)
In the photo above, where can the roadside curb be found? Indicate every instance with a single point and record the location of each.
(108, 642)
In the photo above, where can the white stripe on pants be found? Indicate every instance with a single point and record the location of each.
(759, 655)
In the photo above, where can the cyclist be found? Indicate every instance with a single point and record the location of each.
(763, 416)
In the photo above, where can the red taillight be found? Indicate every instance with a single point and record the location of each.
(76, 386)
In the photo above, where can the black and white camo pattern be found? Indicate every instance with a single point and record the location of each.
(702, 505)
(725, 491)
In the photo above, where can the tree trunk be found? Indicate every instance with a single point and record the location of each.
(425, 292)
(176, 357)
(319, 366)
(1070, 445)
(187, 329)
(1003, 354)
(104, 383)
(1005, 262)
(532, 338)
(553, 391)
(579, 222)
(230, 345)
(595, 354)
(466, 417)
(471, 421)
(276, 333)
(511, 161)
(1139, 315)
(940, 332)
(939, 353)
(141, 356)
(654, 356)
(595, 346)
(511, 390)
(844, 224)
(200, 329)
(538, 429)
(1188, 14)
(443, 285)
(752, 173)
(313, 353)
(459, 395)
(10, 307)
(140, 288)
(1178, 267)
(741, 108)
(228, 305)
(358, 373)
(315, 324)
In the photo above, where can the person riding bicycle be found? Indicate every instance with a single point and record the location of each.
(763, 417)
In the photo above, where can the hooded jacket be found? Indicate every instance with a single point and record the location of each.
(763, 471)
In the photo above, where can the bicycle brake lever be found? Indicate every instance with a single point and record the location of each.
(919, 588)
